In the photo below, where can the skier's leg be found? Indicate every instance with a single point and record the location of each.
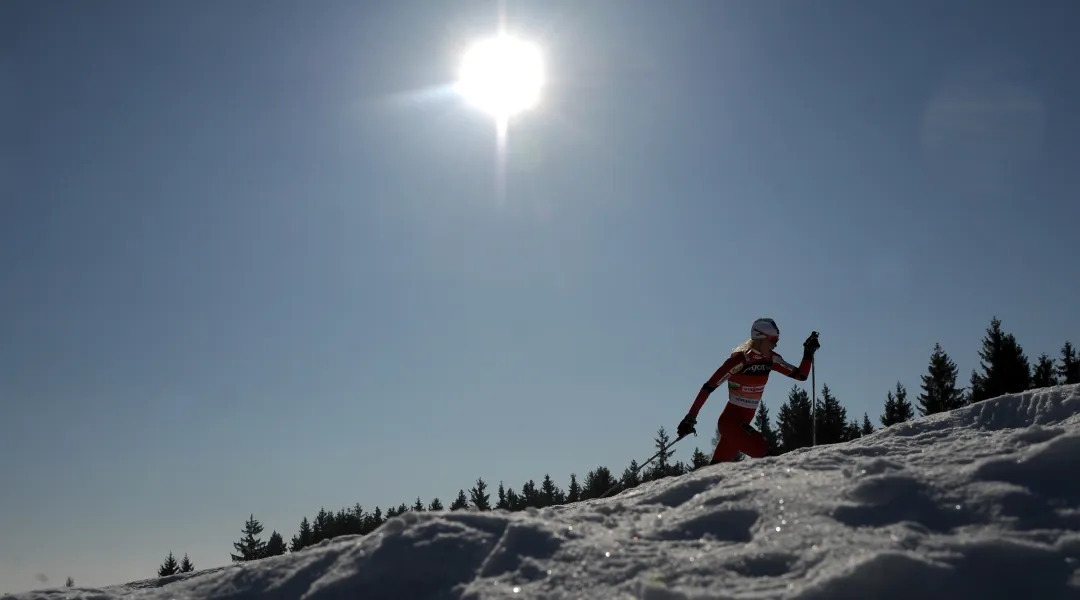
(734, 438)
(726, 450)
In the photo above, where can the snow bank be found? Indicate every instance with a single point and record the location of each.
(980, 502)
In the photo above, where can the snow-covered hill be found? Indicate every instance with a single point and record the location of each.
(982, 502)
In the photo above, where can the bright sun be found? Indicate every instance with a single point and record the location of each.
(502, 76)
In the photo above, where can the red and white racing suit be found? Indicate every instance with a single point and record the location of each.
(746, 374)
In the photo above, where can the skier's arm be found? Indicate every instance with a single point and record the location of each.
(729, 368)
(784, 367)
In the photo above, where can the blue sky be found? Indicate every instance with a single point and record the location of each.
(255, 261)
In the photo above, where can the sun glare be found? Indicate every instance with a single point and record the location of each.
(502, 76)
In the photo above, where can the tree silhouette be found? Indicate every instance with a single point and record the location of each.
(481, 500)
(867, 426)
(1045, 374)
(250, 547)
(186, 566)
(940, 393)
(573, 491)
(1005, 367)
(435, 504)
(1069, 371)
(661, 467)
(461, 502)
(303, 538)
(832, 424)
(897, 407)
(794, 420)
(70, 582)
(275, 546)
(762, 424)
(169, 567)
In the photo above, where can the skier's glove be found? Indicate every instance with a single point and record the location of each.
(810, 346)
(686, 426)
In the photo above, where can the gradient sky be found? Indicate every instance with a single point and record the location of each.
(255, 259)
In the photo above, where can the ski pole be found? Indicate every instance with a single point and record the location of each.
(642, 465)
(813, 388)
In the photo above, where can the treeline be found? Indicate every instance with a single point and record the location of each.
(1004, 368)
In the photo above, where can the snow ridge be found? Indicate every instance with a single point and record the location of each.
(983, 501)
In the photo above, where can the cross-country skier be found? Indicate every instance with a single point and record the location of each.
(746, 371)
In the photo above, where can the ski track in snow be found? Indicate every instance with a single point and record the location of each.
(983, 501)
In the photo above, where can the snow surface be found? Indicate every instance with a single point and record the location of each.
(981, 502)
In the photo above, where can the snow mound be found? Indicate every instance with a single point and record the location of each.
(983, 502)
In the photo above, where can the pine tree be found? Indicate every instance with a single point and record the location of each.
(940, 393)
(832, 426)
(461, 502)
(794, 420)
(1069, 371)
(70, 582)
(418, 506)
(700, 459)
(897, 407)
(321, 527)
(549, 492)
(502, 502)
(631, 477)
(661, 467)
(481, 500)
(867, 426)
(1045, 373)
(573, 491)
(513, 500)
(303, 539)
(1005, 367)
(597, 482)
(275, 546)
(250, 547)
(186, 566)
(435, 504)
(762, 424)
(851, 431)
(169, 567)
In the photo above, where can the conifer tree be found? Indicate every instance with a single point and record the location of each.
(461, 502)
(631, 476)
(661, 466)
(435, 504)
(832, 426)
(867, 426)
(169, 567)
(275, 546)
(762, 424)
(794, 421)
(1069, 371)
(70, 582)
(1005, 367)
(418, 506)
(940, 393)
(549, 492)
(897, 407)
(852, 431)
(530, 496)
(481, 499)
(502, 502)
(250, 547)
(1045, 374)
(573, 491)
(303, 538)
(597, 481)
(700, 459)
(513, 500)
(186, 566)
